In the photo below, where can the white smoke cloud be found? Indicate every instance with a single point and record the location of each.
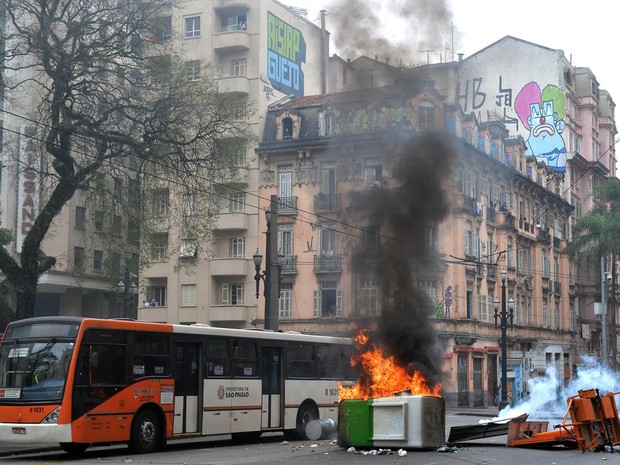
(548, 397)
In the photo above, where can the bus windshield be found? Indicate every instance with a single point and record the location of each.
(34, 369)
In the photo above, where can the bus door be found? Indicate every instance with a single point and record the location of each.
(272, 408)
(187, 403)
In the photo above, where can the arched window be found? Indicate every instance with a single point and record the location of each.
(287, 128)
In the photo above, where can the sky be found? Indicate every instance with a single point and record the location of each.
(586, 31)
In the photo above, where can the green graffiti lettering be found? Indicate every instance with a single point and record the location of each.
(282, 38)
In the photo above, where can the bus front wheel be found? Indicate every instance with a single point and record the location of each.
(145, 432)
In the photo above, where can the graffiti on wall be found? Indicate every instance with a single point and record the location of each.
(542, 114)
(286, 51)
(472, 98)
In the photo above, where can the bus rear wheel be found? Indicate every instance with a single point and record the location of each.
(74, 448)
(145, 432)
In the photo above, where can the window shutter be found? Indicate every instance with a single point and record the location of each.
(321, 124)
(317, 304)
(476, 244)
(225, 293)
(339, 303)
(467, 239)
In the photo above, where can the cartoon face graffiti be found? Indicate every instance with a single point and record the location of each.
(542, 113)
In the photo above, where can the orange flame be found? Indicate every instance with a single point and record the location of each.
(384, 376)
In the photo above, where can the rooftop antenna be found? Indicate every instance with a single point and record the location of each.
(428, 56)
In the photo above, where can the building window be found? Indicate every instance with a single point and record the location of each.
(189, 204)
(232, 293)
(286, 301)
(156, 294)
(98, 260)
(370, 239)
(374, 119)
(192, 70)
(78, 259)
(99, 219)
(425, 116)
(160, 199)
(430, 289)
(236, 202)
(483, 308)
(162, 29)
(188, 249)
(192, 26)
(373, 174)
(188, 295)
(369, 298)
(238, 67)
(117, 224)
(327, 124)
(234, 23)
(328, 301)
(159, 247)
(80, 217)
(239, 111)
(237, 247)
(118, 188)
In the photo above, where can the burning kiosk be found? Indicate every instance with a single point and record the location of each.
(389, 407)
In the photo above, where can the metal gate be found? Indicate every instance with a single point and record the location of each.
(463, 394)
(477, 379)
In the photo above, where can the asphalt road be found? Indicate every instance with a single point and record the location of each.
(273, 449)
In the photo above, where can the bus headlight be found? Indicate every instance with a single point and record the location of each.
(52, 417)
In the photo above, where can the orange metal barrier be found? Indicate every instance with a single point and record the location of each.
(593, 425)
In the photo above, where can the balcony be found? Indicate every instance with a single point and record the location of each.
(491, 215)
(287, 205)
(231, 41)
(232, 221)
(327, 263)
(289, 264)
(230, 313)
(326, 202)
(543, 236)
(235, 85)
(230, 267)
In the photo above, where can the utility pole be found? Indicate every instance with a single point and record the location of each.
(272, 278)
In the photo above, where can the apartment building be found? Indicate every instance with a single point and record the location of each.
(260, 51)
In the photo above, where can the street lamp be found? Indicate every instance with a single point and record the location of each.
(272, 268)
(127, 285)
(504, 315)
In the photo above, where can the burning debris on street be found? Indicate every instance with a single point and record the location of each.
(404, 213)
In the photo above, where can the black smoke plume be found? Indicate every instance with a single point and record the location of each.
(424, 30)
(412, 204)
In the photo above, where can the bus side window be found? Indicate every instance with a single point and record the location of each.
(301, 361)
(218, 358)
(245, 358)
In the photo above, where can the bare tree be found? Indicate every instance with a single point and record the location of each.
(105, 97)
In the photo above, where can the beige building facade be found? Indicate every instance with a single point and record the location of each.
(259, 51)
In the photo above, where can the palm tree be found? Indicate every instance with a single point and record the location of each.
(597, 236)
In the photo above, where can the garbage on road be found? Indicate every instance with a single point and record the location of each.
(591, 423)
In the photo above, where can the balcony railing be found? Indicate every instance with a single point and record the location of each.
(327, 263)
(289, 264)
(491, 215)
(287, 204)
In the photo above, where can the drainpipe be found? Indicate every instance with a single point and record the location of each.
(324, 54)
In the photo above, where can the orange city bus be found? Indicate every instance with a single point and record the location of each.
(85, 381)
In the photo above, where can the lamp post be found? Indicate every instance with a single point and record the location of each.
(504, 315)
(126, 284)
(272, 268)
